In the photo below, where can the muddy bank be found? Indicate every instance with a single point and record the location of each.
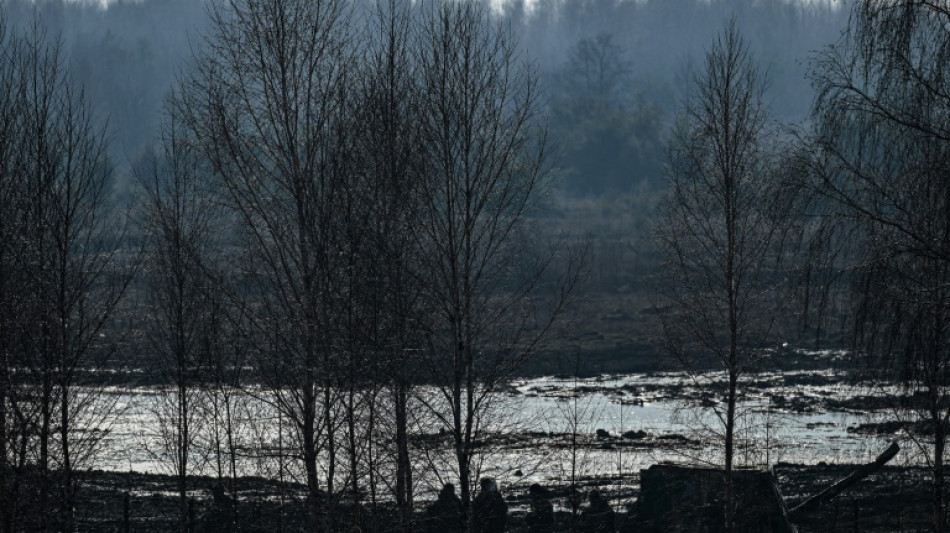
(894, 499)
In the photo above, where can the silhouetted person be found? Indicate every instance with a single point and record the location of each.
(445, 515)
(220, 518)
(489, 508)
(598, 517)
(540, 518)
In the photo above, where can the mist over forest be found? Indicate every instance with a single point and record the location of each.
(127, 54)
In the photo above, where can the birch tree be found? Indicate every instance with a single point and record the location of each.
(391, 183)
(721, 233)
(484, 156)
(179, 219)
(266, 99)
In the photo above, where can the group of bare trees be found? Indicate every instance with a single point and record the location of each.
(340, 205)
(61, 279)
(335, 214)
(862, 204)
(188, 334)
(372, 173)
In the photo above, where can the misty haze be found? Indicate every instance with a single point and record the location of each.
(474, 266)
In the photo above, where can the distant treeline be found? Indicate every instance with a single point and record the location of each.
(613, 72)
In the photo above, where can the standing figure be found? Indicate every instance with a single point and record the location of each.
(598, 517)
(220, 519)
(540, 518)
(489, 508)
(445, 515)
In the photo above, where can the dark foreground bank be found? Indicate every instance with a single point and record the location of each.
(891, 500)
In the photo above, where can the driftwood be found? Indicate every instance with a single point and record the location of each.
(839, 487)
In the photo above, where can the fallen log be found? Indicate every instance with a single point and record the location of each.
(839, 487)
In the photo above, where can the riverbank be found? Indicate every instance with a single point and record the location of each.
(894, 499)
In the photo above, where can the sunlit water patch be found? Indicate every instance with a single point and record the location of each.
(543, 429)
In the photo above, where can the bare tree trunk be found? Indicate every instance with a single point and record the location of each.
(372, 461)
(352, 452)
(939, 483)
(310, 461)
(69, 503)
(232, 443)
(44, 459)
(403, 466)
(330, 429)
(729, 495)
(21, 462)
(182, 449)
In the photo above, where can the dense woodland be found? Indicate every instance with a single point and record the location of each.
(353, 216)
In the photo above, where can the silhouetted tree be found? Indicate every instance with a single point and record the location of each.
(267, 100)
(390, 180)
(879, 166)
(484, 156)
(608, 129)
(721, 233)
(179, 219)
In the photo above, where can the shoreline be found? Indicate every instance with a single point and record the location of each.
(894, 499)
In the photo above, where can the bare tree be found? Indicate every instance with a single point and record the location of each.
(11, 271)
(577, 416)
(62, 280)
(370, 201)
(721, 233)
(878, 167)
(266, 101)
(390, 180)
(72, 270)
(224, 357)
(484, 159)
(179, 219)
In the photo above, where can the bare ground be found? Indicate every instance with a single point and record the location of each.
(896, 499)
